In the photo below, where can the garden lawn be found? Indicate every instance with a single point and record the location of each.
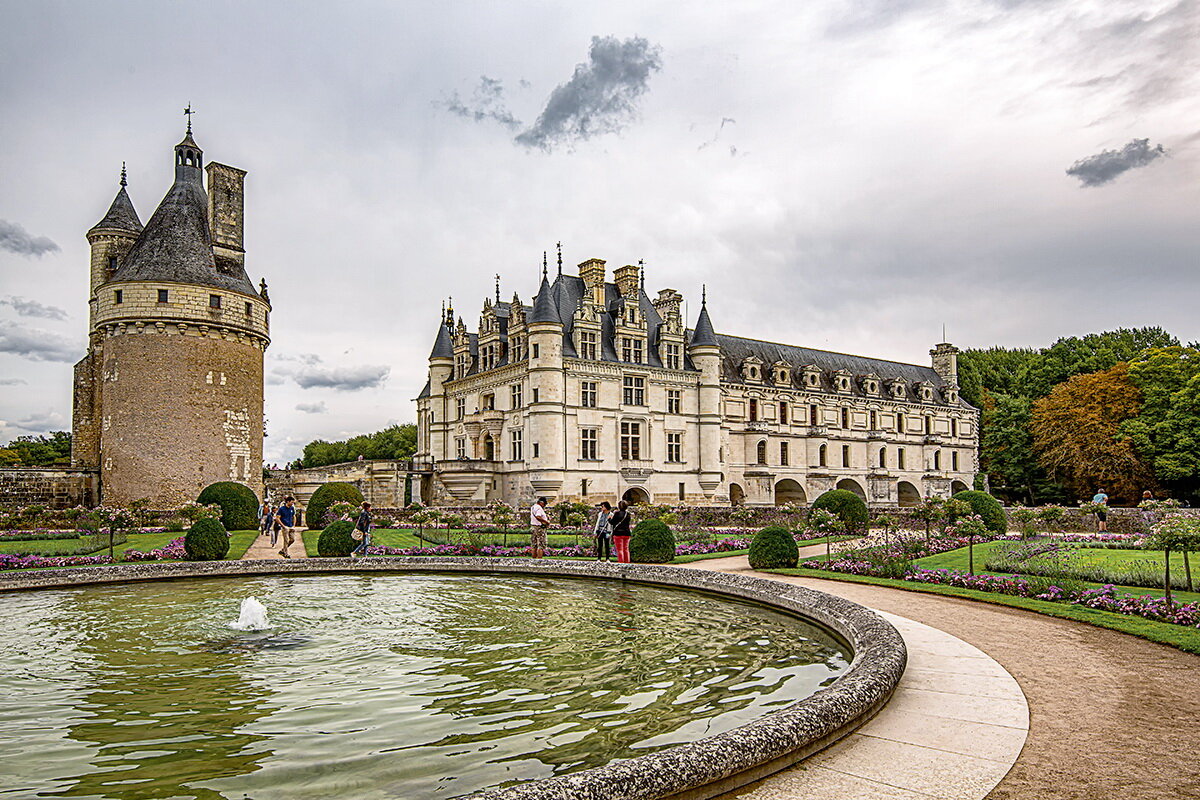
(384, 537)
(704, 556)
(957, 560)
(40, 547)
(239, 543)
(1182, 637)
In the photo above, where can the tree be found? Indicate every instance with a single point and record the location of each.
(1166, 432)
(1006, 450)
(1076, 433)
(1095, 352)
(1176, 532)
(397, 441)
(38, 451)
(996, 370)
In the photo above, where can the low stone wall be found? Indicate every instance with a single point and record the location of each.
(53, 487)
(383, 483)
(702, 769)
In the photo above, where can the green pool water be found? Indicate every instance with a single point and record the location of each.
(407, 686)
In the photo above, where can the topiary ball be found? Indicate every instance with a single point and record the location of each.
(651, 543)
(987, 507)
(326, 495)
(773, 548)
(335, 541)
(239, 506)
(206, 540)
(849, 507)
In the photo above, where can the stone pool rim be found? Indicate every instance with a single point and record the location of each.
(696, 770)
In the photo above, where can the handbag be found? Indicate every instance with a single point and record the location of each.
(356, 535)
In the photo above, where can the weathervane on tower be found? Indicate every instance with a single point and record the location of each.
(188, 111)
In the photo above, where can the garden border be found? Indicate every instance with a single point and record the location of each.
(702, 769)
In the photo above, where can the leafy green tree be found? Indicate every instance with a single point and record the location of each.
(38, 451)
(1006, 449)
(1095, 352)
(996, 369)
(1166, 431)
(397, 441)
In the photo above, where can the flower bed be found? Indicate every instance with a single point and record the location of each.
(173, 550)
(43, 534)
(1105, 598)
(40, 562)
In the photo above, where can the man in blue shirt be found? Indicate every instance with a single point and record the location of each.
(287, 518)
(1102, 514)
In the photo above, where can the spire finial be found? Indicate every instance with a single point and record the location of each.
(189, 113)
(497, 288)
(123, 181)
(560, 258)
(943, 331)
(642, 273)
(703, 294)
(544, 264)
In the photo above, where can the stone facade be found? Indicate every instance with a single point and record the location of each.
(49, 486)
(598, 392)
(385, 483)
(169, 397)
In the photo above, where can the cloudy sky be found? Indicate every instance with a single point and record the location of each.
(844, 175)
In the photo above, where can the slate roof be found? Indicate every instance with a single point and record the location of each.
(443, 346)
(176, 244)
(121, 215)
(545, 306)
(704, 334)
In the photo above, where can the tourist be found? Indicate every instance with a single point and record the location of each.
(620, 522)
(266, 518)
(604, 549)
(362, 531)
(286, 517)
(539, 522)
(1101, 499)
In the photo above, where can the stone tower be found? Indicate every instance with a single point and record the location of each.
(705, 353)
(169, 397)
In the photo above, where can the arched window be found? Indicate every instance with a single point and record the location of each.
(953, 427)
(762, 452)
(882, 457)
(821, 455)
(929, 424)
(754, 411)
(937, 459)
(954, 461)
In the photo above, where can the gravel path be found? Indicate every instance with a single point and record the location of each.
(1111, 715)
(261, 547)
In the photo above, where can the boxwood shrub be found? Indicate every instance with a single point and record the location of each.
(335, 541)
(848, 506)
(326, 495)
(988, 508)
(773, 548)
(206, 540)
(239, 506)
(651, 543)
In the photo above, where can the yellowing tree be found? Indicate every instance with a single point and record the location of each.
(1077, 438)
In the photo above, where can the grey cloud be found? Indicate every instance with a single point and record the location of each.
(12, 381)
(487, 103)
(600, 97)
(312, 408)
(1107, 165)
(32, 308)
(35, 344)
(16, 239)
(41, 423)
(313, 373)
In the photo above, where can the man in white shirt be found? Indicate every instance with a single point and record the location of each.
(539, 521)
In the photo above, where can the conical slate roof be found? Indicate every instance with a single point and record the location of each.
(121, 215)
(704, 335)
(443, 346)
(544, 309)
(177, 246)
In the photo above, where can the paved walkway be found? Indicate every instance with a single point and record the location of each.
(1110, 715)
(261, 548)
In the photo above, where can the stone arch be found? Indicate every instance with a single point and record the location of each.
(907, 495)
(851, 485)
(737, 495)
(487, 448)
(636, 494)
(789, 491)
(958, 486)
(760, 452)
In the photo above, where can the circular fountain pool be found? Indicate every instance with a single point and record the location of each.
(377, 686)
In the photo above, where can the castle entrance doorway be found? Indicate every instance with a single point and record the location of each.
(633, 495)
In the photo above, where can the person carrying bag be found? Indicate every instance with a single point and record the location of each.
(604, 541)
(621, 522)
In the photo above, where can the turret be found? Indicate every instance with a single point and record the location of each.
(112, 237)
(705, 354)
(441, 370)
(545, 451)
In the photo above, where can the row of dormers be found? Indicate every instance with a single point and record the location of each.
(811, 377)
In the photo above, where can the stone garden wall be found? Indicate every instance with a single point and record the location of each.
(52, 487)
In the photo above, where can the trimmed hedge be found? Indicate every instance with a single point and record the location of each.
(651, 543)
(335, 541)
(239, 506)
(326, 495)
(988, 508)
(849, 507)
(206, 540)
(773, 548)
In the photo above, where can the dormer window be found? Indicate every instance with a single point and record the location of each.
(752, 369)
(782, 373)
(842, 380)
